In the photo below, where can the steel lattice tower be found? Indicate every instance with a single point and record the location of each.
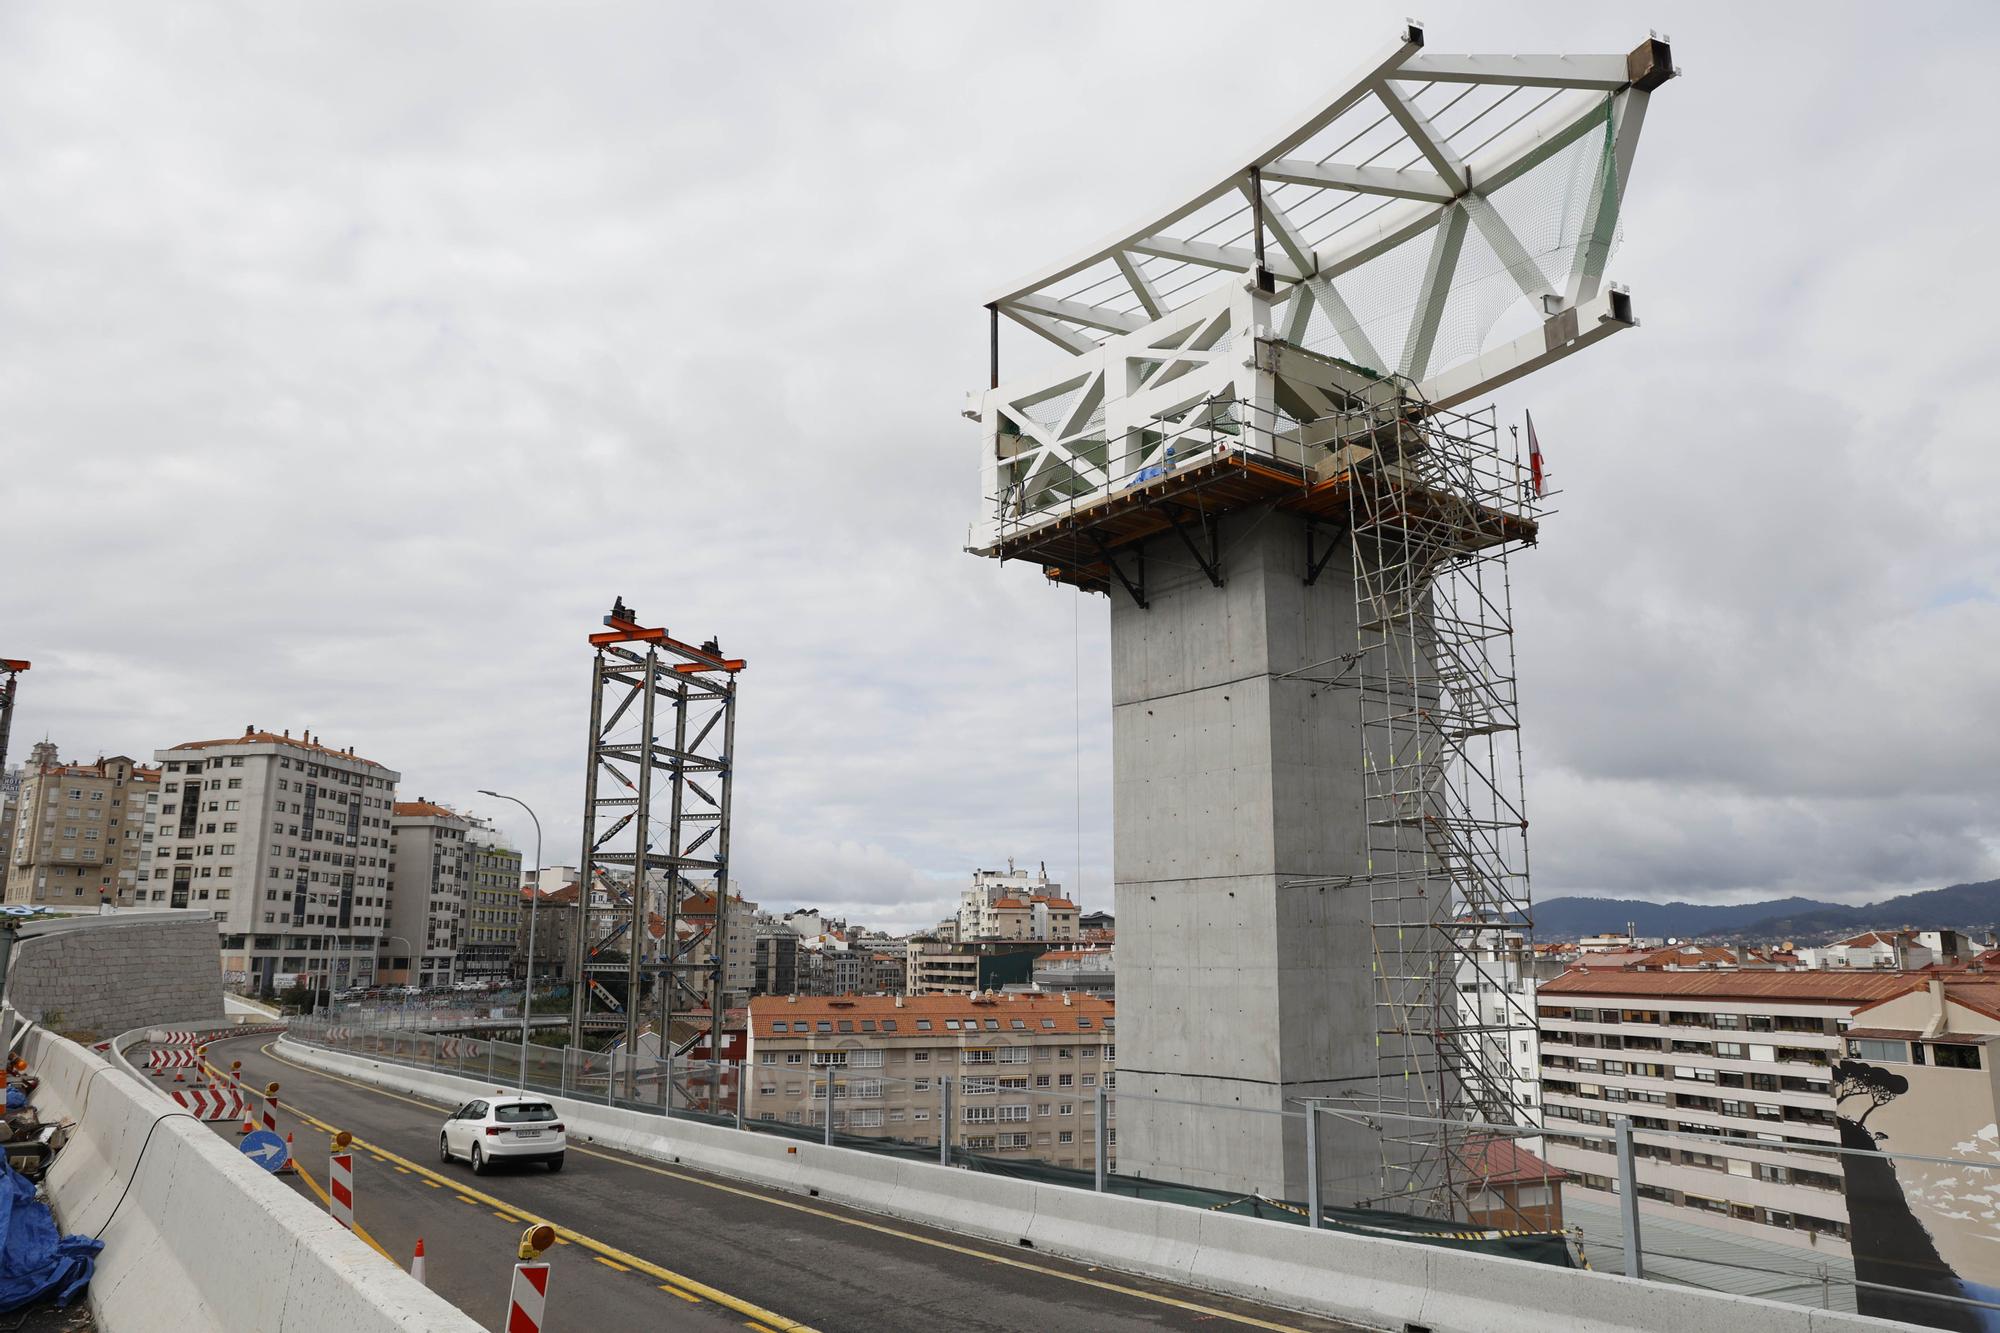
(655, 815)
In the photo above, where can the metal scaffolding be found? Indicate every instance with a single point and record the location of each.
(1434, 508)
(655, 816)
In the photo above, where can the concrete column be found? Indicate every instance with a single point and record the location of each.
(1235, 993)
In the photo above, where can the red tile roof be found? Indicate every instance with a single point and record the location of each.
(1841, 986)
(424, 810)
(299, 742)
(1497, 1160)
(768, 1010)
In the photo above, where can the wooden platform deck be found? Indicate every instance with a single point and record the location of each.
(1076, 547)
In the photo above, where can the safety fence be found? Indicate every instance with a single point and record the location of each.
(951, 1119)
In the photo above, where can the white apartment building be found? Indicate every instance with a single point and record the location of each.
(1747, 1054)
(1496, 992)
(428, 871)
(1015, 905)
(286, 841)
(1025, 1069)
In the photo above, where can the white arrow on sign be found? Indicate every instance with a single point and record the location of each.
(267, 1152)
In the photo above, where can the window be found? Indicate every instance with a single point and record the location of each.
(1065, 1080)
(1955, 1057)
(1016, 1055)
(1891, 1052)
(1066, 1136)
(981, 1115)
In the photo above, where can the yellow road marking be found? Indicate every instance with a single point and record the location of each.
(505, 1217)
(1004, 1260)
(402, 1170)
(672, 1290)
(777, 1323)
(1008, 1261)
(608, 1264)
(473, 1202)
(433, 1184)
(313, 1185)
(749, 1323)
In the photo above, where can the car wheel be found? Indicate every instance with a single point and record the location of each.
(444, 1149)
(478, 1161)
(555, 1162)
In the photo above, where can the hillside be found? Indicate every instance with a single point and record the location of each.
(1974, 908)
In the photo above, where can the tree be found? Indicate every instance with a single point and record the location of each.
(1851, 1078)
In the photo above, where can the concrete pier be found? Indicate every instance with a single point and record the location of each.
(1236, 995)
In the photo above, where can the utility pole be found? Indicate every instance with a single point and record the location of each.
(11, 668)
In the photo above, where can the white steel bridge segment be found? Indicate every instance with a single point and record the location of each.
(1415, 150)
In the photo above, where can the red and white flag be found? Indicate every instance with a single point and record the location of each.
(1534, 457)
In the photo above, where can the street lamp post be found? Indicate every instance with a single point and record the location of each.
(534, 905)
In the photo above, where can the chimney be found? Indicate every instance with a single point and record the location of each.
(792, 998)
(1939, 1021)
(1065, 999)
(899, 1002)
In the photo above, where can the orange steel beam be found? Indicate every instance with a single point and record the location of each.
(625, 631)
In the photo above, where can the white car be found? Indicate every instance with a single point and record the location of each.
(500, 1128)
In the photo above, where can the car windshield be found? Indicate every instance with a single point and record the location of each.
(513, 1113)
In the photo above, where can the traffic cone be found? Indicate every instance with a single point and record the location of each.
(288, 1169)
(417, 1264)
(247, 1128)
(180, 1078)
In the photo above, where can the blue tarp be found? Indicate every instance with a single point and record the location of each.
(34, 1260)
(16, 1099)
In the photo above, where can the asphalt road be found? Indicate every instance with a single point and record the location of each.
(649, 1245)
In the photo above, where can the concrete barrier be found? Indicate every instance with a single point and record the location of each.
(1371, 1281)
(196, 1236)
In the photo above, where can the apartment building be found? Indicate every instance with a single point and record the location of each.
(1747, 1054)
(1015, 905)
(427, 893)
(286, 841)
(1496, 999)
(79, 833)
(1092, 970)
(943, 967)
(492, 875)
(1025, 1069)
(775, 960)
(739, 946)
(550, 915)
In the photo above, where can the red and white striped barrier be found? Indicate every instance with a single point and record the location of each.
(340, 1186)
(528, 1297)
(271, 1108)
(530, 1292)
(170, 1060)
(216, 1103)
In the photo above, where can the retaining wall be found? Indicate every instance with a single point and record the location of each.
(109, 974)
(1377, 1283)
(197, 1238)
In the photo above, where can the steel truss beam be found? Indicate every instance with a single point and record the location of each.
(1330, 216)
(668, 798)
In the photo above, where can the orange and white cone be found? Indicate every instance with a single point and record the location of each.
(417, 1263)
(246, 1128)
(289, 1168)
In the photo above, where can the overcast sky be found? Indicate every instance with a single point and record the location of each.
(352, 357)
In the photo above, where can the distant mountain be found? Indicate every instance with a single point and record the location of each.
(1967, 907)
